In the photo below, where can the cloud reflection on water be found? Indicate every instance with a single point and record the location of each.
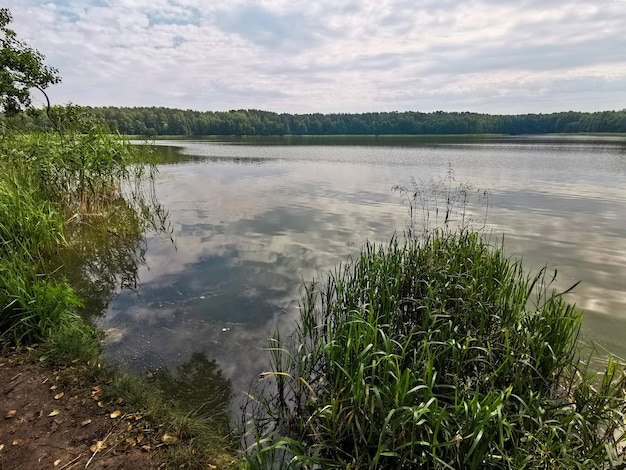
(247, 234)
(246, 238)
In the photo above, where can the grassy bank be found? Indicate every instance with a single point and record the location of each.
(436, 352)
(74, 207)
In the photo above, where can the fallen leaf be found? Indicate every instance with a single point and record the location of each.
(129, 427)
(54, 412)
(10, 414)
(140, 438)
(58, 396)
(98, 446)
(100, 404)
(169, 439)
(138, 417)
(146, 448)
(54, 387)
(109, 380)
(119, 401)
(115, 414)
(86, 422)
(17, 442)
(57, 463)
(131, 442)
(1, 447)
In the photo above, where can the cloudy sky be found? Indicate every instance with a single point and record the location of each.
(494, 56)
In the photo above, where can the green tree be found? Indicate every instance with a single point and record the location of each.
(21, 69)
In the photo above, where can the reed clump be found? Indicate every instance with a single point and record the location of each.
(436, 352)
(51, 185)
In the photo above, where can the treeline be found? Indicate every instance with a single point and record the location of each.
(156, 121)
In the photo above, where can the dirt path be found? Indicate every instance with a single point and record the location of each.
(46, 423)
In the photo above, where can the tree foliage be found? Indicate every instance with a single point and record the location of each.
(154, 121)
(22, 68)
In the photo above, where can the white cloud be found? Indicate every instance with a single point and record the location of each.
(517, 56)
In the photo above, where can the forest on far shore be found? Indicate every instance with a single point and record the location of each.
(156, 121)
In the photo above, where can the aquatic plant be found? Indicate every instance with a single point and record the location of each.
(52, 186)
(443, 203)
(435, 352)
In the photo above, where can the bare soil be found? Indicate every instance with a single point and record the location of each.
(50, 422)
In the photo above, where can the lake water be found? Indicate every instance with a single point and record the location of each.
(253, 218)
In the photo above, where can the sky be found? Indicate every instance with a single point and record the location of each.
(487, 56)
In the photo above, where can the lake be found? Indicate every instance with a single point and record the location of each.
(254, 218)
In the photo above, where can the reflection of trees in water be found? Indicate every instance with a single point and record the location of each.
(172, 155)
(105, 250)
(198, 387)
(169, 155)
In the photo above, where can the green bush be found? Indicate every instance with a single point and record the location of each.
(435, 353)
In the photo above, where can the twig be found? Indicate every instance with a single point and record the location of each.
(48, 106)
(98, 450)
(6, 392)
(71, 462)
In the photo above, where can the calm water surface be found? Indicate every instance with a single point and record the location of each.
(252, 219)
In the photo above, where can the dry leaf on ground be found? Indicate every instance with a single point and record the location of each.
(169, 439)
(98, 446)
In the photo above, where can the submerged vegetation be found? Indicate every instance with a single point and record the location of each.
(436, 351)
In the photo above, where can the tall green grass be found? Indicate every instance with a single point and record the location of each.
(31, 229)
(435, 352)
(83, 168)
(52, 185)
